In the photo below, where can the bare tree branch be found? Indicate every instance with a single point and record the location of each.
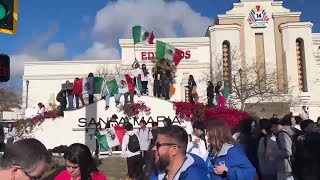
(256, 81)
(9, 99)
(109, 73)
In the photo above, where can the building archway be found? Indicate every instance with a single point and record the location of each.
(301, 63)
(227, 64)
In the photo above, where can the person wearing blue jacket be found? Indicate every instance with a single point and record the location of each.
(226, 160)
(172, 161)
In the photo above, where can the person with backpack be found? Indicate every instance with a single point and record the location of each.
(267, 143)
(286, 143)
(131, 151)
(196, 145)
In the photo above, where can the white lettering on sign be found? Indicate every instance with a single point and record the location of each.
(152, 55)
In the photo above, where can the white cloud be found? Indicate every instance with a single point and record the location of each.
(99, 51)
(56, 50)
(17, 63)
(166, 19)
(117, 18)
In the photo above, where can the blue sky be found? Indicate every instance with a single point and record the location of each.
(81, 29)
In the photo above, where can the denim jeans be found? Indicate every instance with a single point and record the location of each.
(70, 102)
(79, 97)
(107, 98)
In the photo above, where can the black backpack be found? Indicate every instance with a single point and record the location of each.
(134, 145)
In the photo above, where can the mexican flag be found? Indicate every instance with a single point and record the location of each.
(166, 51)
(125, 83)
(107, 139)
(225, 90)
(98, 83)
(224, 94)
(112, 87)
(140, 35)
(138, 85)
(120, 132)
(102, 140)
(88, 85)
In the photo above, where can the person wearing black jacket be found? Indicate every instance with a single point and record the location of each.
(217, 90)
(166, 80)
(157, 75)
(61, 98)
(191, 84)
(2, 144)
(210, 93)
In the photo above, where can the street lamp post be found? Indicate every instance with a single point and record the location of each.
(27, 93)
(240, 73)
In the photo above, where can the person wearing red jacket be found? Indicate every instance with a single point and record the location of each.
(80, 165)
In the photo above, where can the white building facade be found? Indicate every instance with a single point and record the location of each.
(260, 30)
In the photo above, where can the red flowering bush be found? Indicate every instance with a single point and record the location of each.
(135, 109)
(25, 126)
(200, 112)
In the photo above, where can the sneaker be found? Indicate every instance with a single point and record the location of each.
(117, 104)
(106, 108)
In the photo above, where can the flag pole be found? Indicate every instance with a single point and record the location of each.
(134, 51)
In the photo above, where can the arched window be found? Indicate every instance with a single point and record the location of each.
(301, 62)
(227, 70)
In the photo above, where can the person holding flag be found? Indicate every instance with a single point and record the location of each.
(217, 91)
(223, 93)
(137, 74)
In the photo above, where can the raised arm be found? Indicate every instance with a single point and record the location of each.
(135, 62)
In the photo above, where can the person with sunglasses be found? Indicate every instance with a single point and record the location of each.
(226, 159)
(26, 159)
(171, 158)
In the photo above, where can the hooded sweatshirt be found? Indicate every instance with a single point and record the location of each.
(267, 161)
(285, 149)
(125, 143)
(193, 168)
(233, 156)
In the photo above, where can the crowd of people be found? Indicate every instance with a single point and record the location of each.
(268, 149)
(162, 85)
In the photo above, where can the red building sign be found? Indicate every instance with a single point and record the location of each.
(152, 55)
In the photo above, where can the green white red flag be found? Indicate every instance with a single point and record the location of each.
(142, 36)
(166, 51)
(88, 85)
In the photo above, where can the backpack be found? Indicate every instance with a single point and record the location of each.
(133, 145)
(59, 96)
(294, 140)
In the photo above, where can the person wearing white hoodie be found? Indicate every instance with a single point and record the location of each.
(196, 145)
(131, 151)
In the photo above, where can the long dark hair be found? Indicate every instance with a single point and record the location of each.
(80, 154)
(218, 134)
(144, 70)
(191, 78)
(10, 129)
